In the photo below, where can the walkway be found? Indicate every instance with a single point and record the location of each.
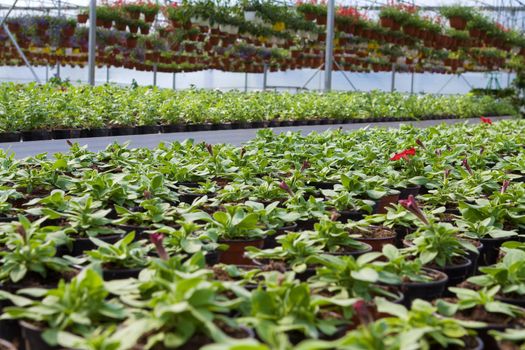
(234, 137)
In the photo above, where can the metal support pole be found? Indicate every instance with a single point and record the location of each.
(59, 13)
(393, 81)
(412, 83)
(329, 52)
(245, 81)
(21, 53)
(508, 79)
(47, 73)
(466, 81)
(92, 41)
(313, 76)
(8, 13)
(107, 74)
(154, 75)
(265, 76)
(345, 76)
(174, 83)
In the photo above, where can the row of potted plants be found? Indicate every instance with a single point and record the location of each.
(323, 241)
(69, 111)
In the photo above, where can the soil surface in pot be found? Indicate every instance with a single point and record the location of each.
(479, 314)
(374, 232)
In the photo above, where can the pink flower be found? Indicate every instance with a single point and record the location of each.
(284, 186)
(306, 165)
(467, 166)
(361, 309)
(156, 239)
(411, 205)
(505, 185)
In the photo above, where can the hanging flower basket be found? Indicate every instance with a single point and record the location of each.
(458, 23)
(82, 18)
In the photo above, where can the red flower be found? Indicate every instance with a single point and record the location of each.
(486, 120)
(404, 154)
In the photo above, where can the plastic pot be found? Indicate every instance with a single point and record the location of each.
(384, 202)
(378, 243)
(148, 129)
(60, 134)
(306, 224)
(36, 135)
(9, 329)
(356, 253)
(401, 233)
(271, 240)
(322, 185)
(411, 190)
(171, 128)
(10, 136)
(490, 253)
(424, 290)
(122, 130)
(95, 132)
(81, 244)
(353, 215)
(456, 273)
(118, 274)
(33, 337)
(234, 255)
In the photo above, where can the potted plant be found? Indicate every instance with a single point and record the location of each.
(457, 15)
(481, 307)
(415, 281)
(59, 309)
(237, 229)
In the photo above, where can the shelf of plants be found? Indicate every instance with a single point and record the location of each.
(376, 239)
(246, 37)
(37, 112)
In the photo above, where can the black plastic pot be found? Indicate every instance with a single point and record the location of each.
(119, 274)
(212, 258)
(514, 301)
(36, 135)
(322, 185)
(411, 190)
(424, 290)
(490, 252)
(148, 129)
(271, 240)
(356, 253)
(9, 329)
(189, 197)
(401, 233)
(353, 215)
(307, 224)
(95, 132)
(456, 273)
(171, 128)
(122, 130)
(81, 244)
(33, 337)
(61, 134)
(8, 218)
(10, 136)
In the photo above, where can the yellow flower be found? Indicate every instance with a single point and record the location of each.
(279, 26)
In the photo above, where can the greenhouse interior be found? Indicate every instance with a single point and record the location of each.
(262, 175)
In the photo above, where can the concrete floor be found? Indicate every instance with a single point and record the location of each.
(234, 137)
